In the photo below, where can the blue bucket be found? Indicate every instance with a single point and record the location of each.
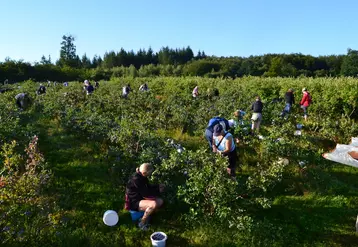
(136, 215)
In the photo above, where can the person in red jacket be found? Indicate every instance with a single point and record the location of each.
(305, 102)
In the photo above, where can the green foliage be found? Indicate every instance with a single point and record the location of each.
(94, 142)
(350, 63)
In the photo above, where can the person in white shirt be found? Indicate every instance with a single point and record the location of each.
(196, 92)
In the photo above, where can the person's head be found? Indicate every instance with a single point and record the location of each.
(237, 113)
(218, 130)
(86, 81)
(290, 90)
(258, 98)
(304, 90)
(146, 169)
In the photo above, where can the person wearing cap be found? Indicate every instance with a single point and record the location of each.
(227, 124)
(305, 102)
(143, 196)
(256, 118)
(290, 101)
(224, 144)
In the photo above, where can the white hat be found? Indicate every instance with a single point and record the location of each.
(231, 122)
(86, 81)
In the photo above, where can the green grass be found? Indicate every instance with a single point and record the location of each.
(323, 216)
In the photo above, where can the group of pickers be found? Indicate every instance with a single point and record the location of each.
(145, 197)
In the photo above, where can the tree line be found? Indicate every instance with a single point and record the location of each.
(174, 62)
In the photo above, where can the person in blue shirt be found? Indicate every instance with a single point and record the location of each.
(224, 145)
(227, 124)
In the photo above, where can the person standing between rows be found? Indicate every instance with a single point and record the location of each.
(305, 102)
(290, 101)
(227, 124)
(142, 196)
(224, 145)
(256, 118)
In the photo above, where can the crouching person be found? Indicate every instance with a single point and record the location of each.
(143, 196)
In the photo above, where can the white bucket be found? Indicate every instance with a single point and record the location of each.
(158, 243)
(110, 218)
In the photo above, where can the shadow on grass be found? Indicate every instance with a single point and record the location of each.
(315, 218)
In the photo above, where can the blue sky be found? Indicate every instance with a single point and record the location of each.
(30, 29)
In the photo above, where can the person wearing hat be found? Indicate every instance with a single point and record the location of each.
(143, 196)
(305, 102)
(224, 144)
(257, 115)
(290, 101)
(227, 124)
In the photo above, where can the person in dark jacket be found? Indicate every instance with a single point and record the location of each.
(23, 100)
(88, 87)
(290, 101)
(41, 90)
(143, 196)
(227, 124)
(257, 114)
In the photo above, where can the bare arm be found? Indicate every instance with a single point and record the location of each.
(228, 145)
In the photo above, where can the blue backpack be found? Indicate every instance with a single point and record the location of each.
(213, 120)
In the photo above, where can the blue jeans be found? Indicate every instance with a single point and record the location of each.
(209, 138)
(286, 110)
(304, 108)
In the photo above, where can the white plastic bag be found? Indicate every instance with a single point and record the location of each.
(340, 154)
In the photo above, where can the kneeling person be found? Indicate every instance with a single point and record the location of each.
(143, 196)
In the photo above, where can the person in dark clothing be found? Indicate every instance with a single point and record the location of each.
(256, 118)
(290, 101)
(41, 90)
(88, 87)
(96, 84)
(227, 124)
(22, 100)
(143, 196)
